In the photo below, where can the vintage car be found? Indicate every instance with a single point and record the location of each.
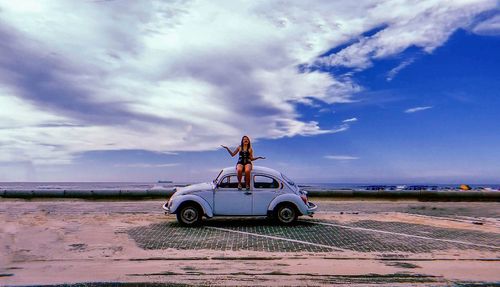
(271, 194)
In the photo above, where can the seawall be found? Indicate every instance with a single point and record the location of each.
(435, 195)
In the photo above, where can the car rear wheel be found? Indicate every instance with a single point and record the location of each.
(285, 214)
(189, 215)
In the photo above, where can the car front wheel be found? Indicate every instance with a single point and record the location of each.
(189, 215)
(285, 214)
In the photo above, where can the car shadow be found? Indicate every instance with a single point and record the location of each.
(244, 222)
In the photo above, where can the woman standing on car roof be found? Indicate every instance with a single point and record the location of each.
(244, 161)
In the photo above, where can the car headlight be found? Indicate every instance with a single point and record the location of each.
(174, 194)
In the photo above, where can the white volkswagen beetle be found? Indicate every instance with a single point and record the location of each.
(271, 194)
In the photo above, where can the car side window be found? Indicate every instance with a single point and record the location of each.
(261, 181)
(230, 181)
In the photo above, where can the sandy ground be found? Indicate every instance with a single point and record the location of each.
(38, 247)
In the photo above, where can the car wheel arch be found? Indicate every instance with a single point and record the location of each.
(287, 199)
(202, 204)
(292, 204)
(190, 202)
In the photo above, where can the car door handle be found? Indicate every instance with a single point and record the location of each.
(248, 192)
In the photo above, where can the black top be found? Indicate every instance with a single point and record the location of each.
(244, 157)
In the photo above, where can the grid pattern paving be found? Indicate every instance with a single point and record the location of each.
(476, 237)
(250, 234)
(171, 235)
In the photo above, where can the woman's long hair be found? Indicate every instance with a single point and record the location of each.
(249, 144)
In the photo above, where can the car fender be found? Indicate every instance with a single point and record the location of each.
(289, 197)
(178, 201)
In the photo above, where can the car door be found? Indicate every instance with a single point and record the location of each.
(228, 200)
(265, 189)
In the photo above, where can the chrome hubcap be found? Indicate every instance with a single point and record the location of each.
(189, 214)
(286, 214)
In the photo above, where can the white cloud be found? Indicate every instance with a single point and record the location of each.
(171, 76)
(392, 73)
(417, 109)
(350, 120)
(489, 27)
(326, 110)
(425, 24)
(341, 157)
(147, 165)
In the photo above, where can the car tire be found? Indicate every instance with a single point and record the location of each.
(285, 214)
(189, 214)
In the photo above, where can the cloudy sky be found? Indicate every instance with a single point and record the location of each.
(328, 91)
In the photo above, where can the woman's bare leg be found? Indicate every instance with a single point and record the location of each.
(239, 169)
(248, 169)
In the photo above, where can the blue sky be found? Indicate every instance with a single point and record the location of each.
(329, 92)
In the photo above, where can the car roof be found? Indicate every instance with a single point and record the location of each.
(255, 169)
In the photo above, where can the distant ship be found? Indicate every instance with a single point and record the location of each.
(165, 181)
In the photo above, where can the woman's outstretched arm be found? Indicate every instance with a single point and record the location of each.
(255, 158)
(232, 153)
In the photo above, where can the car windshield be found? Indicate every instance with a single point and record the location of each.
(289, 181)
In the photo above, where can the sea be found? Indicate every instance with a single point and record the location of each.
(132, 186)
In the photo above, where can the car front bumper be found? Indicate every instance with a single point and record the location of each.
(311, 208)
(166, 208)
